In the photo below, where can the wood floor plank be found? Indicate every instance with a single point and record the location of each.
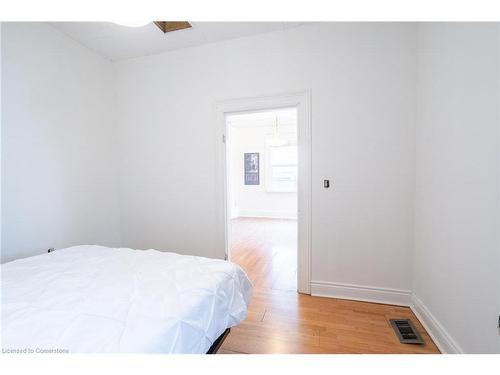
(282, 321)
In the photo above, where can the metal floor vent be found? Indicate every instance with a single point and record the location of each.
(406, 331)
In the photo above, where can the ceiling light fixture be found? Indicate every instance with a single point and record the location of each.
(275, 140)
(133, 23)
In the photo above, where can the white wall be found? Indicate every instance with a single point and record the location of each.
(256, 200)
(456, 273)
(1, 101)
(59, 182)
(498, 191)
(362, 79)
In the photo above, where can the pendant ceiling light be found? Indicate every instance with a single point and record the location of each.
(165, 26)
(276, 140)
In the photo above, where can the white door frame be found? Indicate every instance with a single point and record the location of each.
(302, 101)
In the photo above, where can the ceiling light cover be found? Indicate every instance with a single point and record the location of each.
(133, 23)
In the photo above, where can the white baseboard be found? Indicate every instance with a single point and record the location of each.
(436, 331)
(268, 214)
(361, 293)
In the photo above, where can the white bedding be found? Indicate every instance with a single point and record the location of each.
(99, 299)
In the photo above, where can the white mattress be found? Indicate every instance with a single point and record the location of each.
(99, 299)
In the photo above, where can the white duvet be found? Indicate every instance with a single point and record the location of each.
(99, 299)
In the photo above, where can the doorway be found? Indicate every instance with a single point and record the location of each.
(262, 174)
(287, 231)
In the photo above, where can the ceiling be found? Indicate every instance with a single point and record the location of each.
(285, 116)
(116, 42)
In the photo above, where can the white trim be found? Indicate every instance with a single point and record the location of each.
(302, 101)
(436, 331)
(268, 214)
(361, 293)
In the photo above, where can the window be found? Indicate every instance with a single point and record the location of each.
(282, 169)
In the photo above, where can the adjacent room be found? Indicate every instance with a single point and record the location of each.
(262, 178)
(250, 187)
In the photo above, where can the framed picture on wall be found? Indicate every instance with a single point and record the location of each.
(252, 168)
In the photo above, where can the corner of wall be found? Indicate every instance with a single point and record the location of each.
(434, 328)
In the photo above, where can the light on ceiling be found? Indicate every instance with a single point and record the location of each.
(133, 23)
(276, 140)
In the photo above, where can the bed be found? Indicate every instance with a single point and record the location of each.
(99, 299)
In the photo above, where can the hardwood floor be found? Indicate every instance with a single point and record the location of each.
(280, 320)
(267, 250)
